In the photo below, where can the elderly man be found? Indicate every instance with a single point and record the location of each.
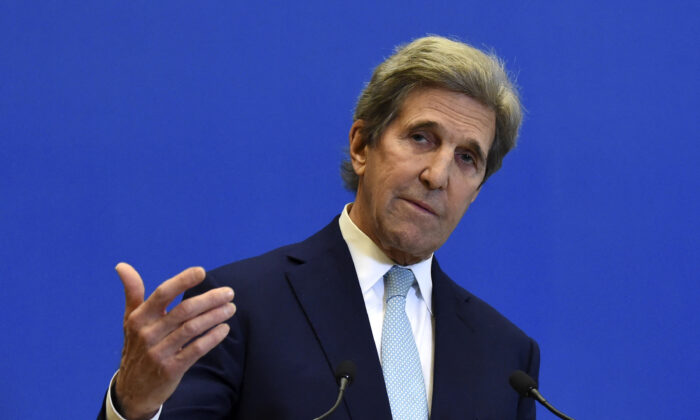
(432, 125)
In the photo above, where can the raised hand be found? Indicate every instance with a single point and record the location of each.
(158, 345)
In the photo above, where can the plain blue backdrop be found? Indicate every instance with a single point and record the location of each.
(170, 134)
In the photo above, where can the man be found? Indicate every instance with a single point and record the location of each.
(432, 125)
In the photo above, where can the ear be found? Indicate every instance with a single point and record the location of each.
(358, 147)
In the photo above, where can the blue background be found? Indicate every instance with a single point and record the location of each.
(170, 134)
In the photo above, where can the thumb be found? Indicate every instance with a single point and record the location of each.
(133, 286)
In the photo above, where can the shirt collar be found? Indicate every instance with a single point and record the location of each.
(371, 263)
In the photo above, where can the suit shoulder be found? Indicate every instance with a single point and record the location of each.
(262, 263)
(277, 260)
(478, 314)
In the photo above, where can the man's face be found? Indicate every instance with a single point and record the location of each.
(419, 178)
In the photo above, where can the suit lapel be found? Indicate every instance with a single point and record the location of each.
(327, 289)
(456, 358)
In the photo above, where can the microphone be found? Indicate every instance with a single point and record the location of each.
(527, 387)
(344, 374)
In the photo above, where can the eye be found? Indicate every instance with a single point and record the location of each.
(419, 138)
(467, 158)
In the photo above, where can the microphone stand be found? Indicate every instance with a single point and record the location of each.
(536, 395)
(343, 384)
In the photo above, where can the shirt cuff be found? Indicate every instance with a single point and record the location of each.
(111, 412)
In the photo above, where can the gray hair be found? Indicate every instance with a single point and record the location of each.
(435, 61)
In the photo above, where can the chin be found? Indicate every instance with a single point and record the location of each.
(414, 245)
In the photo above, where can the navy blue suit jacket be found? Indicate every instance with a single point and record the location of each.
(300, 312)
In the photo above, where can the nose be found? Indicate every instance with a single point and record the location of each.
(436, 174)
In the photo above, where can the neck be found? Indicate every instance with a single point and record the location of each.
(396, 255)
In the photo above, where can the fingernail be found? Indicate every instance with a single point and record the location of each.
(229, 293)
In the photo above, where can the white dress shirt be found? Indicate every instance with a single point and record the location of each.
(370, 265)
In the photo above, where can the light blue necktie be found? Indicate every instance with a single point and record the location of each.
(400, 361)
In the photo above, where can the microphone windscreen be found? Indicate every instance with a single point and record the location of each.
(522, 382)
(346, 369)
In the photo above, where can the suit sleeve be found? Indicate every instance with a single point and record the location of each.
(210, 388)
(527, 406)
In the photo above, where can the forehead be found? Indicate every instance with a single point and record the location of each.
(449, 111)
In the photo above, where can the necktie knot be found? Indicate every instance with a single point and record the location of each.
(397, 281)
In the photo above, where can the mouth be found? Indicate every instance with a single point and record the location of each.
(421, 206)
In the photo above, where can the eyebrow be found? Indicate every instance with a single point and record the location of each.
(432, 125)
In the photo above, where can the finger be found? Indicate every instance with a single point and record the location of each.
(189, 309)
(201, 346)
(191, 329)
(133, 286)
(170, 289)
